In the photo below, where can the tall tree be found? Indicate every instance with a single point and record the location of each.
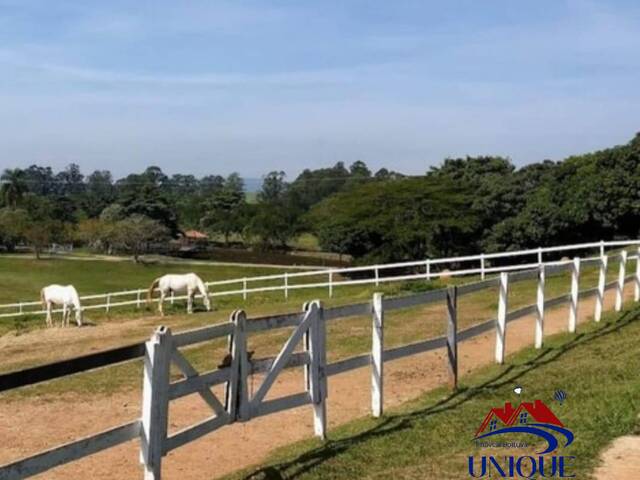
(14, 186)
(100, 192)
(224, 207)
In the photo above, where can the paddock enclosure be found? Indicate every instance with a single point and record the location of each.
(304, 347)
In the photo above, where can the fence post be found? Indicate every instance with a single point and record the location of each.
(108, 305)
(621, 275)
(636, 295)
(482, 274)
(244, 288)
(173, 297)
(428, 269)
(452, 334)
(573, 307)
(138, 300)
(20, 308)
(286, 285)
(377, 354)
(540, 308)
(539, 255)
(375, 270)
(236, 394)
(602, 248)
(330, 283)
(155, 401)
(316, 382)
(602, 280)
(501, 324)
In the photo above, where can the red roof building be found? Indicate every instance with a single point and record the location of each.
(520, 415)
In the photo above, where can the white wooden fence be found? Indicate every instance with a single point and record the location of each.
(334, 277)
(309, 328)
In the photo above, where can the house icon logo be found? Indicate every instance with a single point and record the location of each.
(532, 418)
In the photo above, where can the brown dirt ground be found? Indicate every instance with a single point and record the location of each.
(621, 460)
(33, 424)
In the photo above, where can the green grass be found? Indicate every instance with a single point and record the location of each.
(431, 438)
(22, 278)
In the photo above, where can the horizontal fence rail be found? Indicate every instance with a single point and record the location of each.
(333, 277)
(308, 331)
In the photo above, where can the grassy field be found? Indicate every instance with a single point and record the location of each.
(22, 278)
(345, 338)
(432, 437)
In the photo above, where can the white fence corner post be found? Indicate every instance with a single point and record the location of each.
(602, 280)
(636, 293)
(539, 255)
(286, 285)
(575, 291)
(155, 401)
(377, 356)
(482, 273)
(236, 393)
(539, 336)
(452, 335)
(315, 377)
(501, 324)
(602, 248)
(620, 286)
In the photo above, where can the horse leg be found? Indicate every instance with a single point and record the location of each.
(190, 294)
(65, 321)
(160, 302)
(49, 319)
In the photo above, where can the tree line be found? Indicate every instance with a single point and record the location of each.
(463, 205)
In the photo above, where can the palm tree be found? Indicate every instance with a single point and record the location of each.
(13, 186)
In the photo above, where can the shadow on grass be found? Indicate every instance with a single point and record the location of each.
(394, 423)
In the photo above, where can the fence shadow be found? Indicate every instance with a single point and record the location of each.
(396, 422)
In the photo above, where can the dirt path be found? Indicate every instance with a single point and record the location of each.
(31, 425)
(621, 460)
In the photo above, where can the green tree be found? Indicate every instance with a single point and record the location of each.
(224, 207)
(397, 220)
(136, 232)
(13, 222)
(14, 186)
(100, 192)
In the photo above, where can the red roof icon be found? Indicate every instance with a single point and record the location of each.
(509, 415)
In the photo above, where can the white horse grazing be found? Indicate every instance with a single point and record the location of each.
(188, 283)
(67, 296)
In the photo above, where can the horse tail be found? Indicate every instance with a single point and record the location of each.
(153, 286)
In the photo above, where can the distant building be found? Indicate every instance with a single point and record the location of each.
(192, 238)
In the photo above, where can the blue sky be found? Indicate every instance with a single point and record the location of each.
(214, 87)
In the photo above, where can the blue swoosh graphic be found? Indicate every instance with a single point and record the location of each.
(552, 442)
(567, 433)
